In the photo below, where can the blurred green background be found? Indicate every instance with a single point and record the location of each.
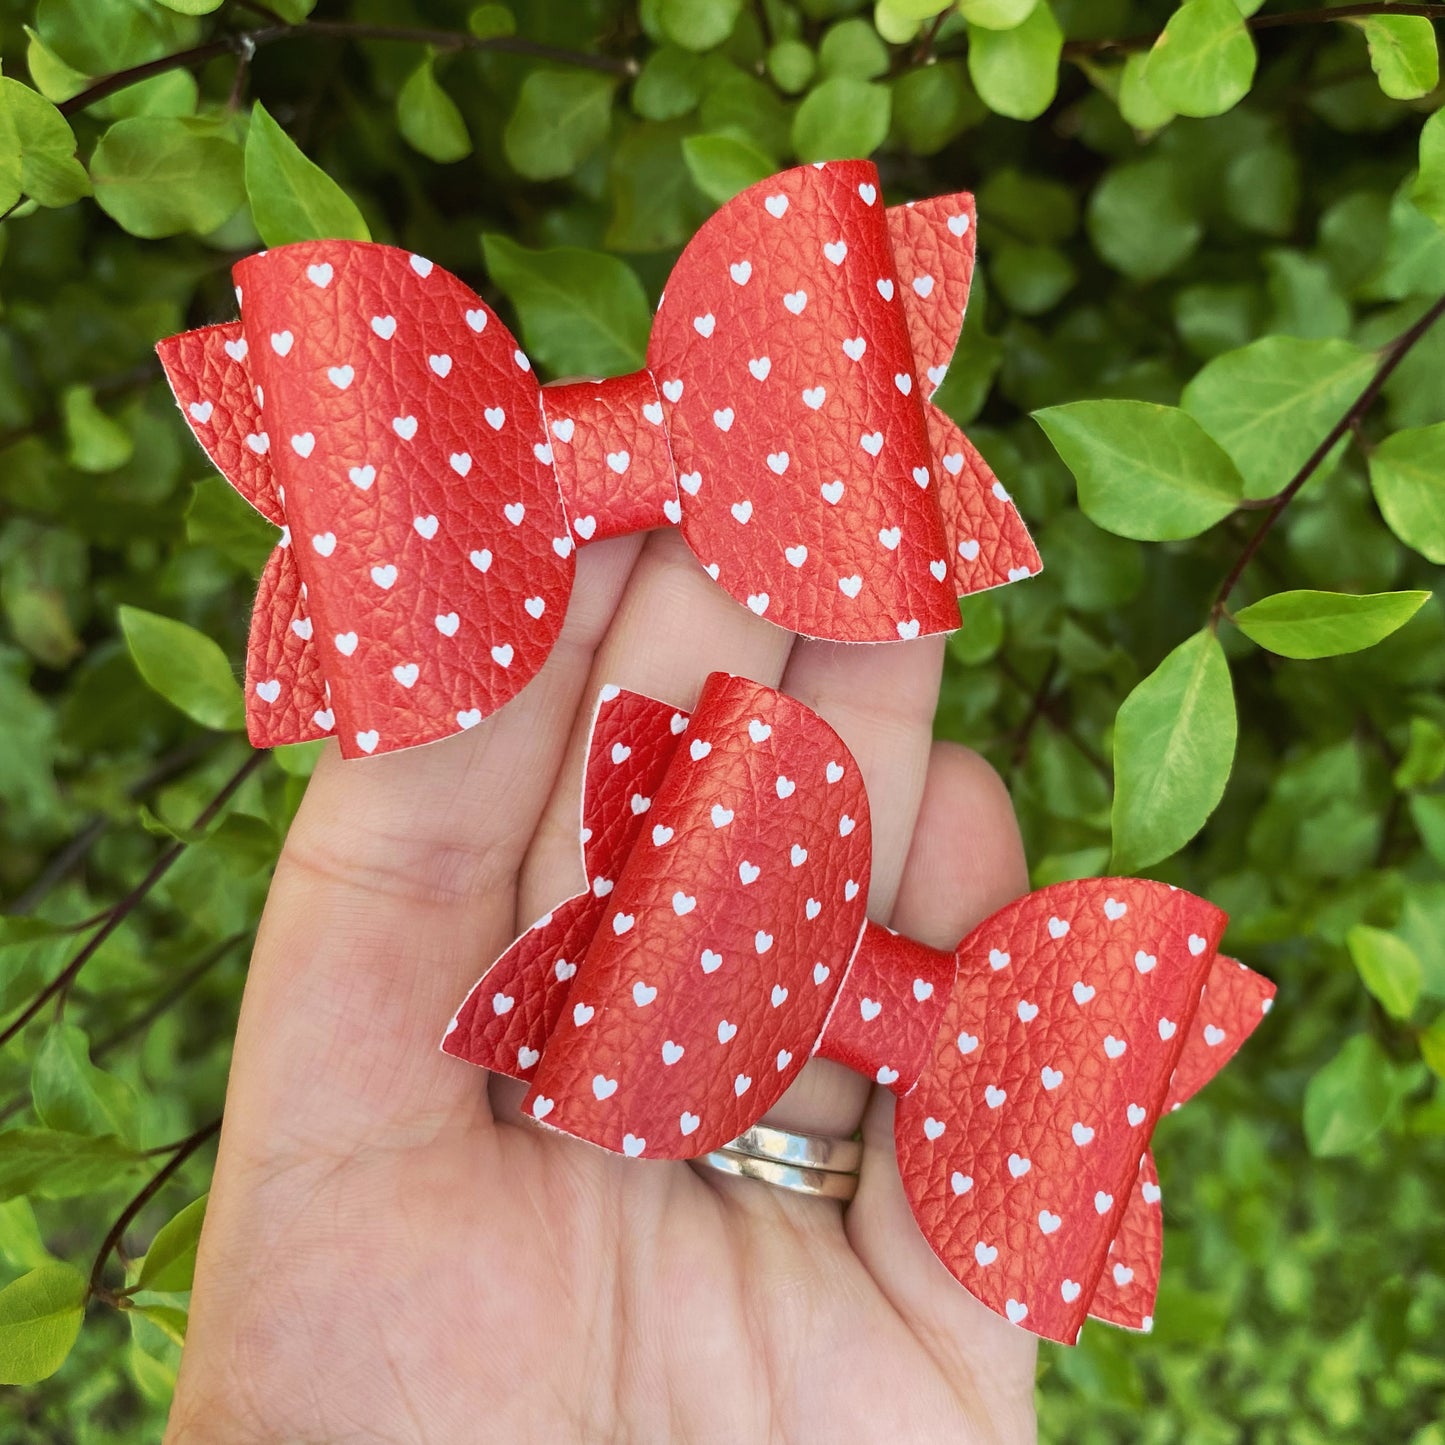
(1218, 233)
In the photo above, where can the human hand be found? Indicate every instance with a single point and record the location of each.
(390, 1256)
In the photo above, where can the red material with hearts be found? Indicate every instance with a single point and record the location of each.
(722, 940)
(430, 493)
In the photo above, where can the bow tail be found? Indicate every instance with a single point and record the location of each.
(212, 383)
(988, 544)
(1127, 1288)
(1233, 1002)
(505, 1021)
(286, 694)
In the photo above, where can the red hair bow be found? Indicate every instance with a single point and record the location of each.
(722, 940)
(431, 493)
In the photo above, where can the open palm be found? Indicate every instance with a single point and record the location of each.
(390, 1256)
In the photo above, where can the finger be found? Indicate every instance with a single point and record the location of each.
(880, 700)
(672, 627)
(397, 882)
(965, 861)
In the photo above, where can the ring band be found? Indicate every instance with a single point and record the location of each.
(805, 1151)
(820, 1183)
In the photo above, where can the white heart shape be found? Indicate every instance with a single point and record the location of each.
(722, 419)
(923, 285)
(748, 872)
(1144, 962)
(850, 586)
(281, 342)
(324, 543)
(1082, 1134)
(603, 1087)
(795, 301)
(1027, 1011)
(1136, 1115)
(886, 1076)
(1058, 927)
(1114, 910)
(672, 390)
(778, 462)
(303, 444)
(1018, 1166)
(541, 1106)
(854, 347)
(742, 1084)
(967, 1042)
(671, 1052)
(833, 772)
(1103, 1203)
(908, 630)
(1070, 1291)
(812, 908)
(957, 225)
(384, 577)
(582, 1014)
(704, 325)
(534, 607)
(688, 1123)
(711, 961)
(404, 427)
(796, 555)
(469, 718)
(985, 1254)
(814, 397)
(406, 673)
(868, 192)
(1050, 1078)
(762, 941)
(345, 643)
(721, 816)
(775, 205)
(871, 442)
(502, 654)
(820, 974)
(690, 482)
(1048, 1223)
(237, 349)
(477, 318)
(340, 376)
(1197, 945)
(368, 740)
(994, 1096)
(742, 511)
(785, 787)
(758, 602)
(968, 550)
(885, 288)
(832, 492)
(960, 1182)
(1213, 1035)
(495, 417)
(740, 271)
(1114, 1048)
(683, 903)
(1166, 1028)
(268, 691)
(643, 994)
(201, 411)
(726, 1032)
(890, 538)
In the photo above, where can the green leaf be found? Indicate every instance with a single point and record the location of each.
(1270, 404)
(1348, 1101)
(292, 198)
(1139, 103)
(169, 1319)
(1427, 812)
(1407, 475)
(95, 442)
(428, 117)
(1307, 624)
(37, 150)
(102, 38)
(1143, 470)
(71, 1094)
(40, 1316)
(218, 516)
(1173, 749)
(698, 24)
(1424, 759)
(1432, 1047)
(1203, 61)
(185, 667)
(561, 117)
(997, 14)
(487, 22)
(1403, 54)
(581, 312)
(53, 78)
(791, 64)
(1428, 192)
(1139, 222)
(723, 165)
(932, 104)
(852, 47)
(160, 175)
(51, 1164)
(1016, 72)
(842, 117)
(669, 84)
(193, 7)
(170, 1262)
(1388, 967)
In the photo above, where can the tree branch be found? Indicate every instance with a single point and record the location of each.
(1076, 49)
(183, 1151)
(1390, 357)
(130, 902)
(244, 43)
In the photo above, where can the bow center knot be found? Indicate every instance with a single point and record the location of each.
(609, 447)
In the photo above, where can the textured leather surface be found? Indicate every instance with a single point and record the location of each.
(721, 941)
(378, 411)
(889, 1007)
(1130, 1280)
(1047, 1076)
(609, 447)
(933, 248)
(505, 1021)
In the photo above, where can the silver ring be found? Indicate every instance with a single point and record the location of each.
(819, 1183)
(807, 1151)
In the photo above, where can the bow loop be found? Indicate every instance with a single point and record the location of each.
(377, 410)
(608, 443)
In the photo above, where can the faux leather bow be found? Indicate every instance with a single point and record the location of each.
(431, 494)
(722, 940)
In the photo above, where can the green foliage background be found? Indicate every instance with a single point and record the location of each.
(1150, 212)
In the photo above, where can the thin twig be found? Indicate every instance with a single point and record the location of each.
(1076, 49)
(183, 1151)
(1390, 357)
(77, 848)
(923, 55)
(244, 43)
(132, 900)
